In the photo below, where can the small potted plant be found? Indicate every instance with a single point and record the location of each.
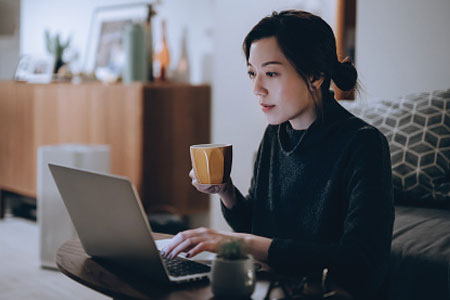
(233, 272)
(56, 48)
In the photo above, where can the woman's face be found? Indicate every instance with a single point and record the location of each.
(281, 92)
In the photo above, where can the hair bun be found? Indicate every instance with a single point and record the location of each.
(345, 74)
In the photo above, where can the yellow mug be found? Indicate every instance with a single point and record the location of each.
(212, 162)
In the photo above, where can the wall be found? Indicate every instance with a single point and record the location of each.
(9, 37)
(403, 46)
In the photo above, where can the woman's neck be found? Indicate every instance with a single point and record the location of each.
(307, 117)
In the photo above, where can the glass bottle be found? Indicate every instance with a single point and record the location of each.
(163, 56)
(182, 70)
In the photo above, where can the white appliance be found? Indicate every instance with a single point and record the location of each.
(55, 226)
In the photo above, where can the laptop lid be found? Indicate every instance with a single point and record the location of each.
(109, 219)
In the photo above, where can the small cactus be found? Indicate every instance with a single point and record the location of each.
(232, 250)
(56, 48)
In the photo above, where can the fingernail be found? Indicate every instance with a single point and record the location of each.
(163, 253)
(188, 255)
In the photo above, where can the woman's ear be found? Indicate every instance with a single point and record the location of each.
(315, 82)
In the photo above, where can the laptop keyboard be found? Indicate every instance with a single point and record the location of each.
(181, 267)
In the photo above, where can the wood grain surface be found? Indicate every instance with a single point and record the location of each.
(73, 261)
(148, 126)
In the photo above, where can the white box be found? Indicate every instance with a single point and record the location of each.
(55, 225)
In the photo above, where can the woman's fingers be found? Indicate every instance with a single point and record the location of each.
(194, 241)
(203, 246)
(193, 177)
(185, 246)
(206, 188)
(181, 237)
(175, 241)
(209, 188)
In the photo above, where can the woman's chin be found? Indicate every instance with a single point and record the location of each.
(275, 121)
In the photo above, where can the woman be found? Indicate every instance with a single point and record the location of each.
(321, 193)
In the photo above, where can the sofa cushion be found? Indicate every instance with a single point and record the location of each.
(417, 127)
(420, 254)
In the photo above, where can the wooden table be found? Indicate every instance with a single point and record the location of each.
(73, 261)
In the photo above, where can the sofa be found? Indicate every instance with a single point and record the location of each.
(417, 127)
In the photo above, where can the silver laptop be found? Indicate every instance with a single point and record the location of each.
(112, 226)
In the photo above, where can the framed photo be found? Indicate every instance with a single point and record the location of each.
(105, 54)
(35, 69)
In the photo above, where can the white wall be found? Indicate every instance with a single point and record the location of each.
(69, 17)
(403, 46)
(237, 118)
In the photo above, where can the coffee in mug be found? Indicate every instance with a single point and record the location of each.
(212, 162)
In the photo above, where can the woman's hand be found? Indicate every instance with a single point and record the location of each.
(225, 190)
(195, 241)
(202, 239)
(206, 188)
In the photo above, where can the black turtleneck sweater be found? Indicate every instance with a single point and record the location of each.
(324, 195)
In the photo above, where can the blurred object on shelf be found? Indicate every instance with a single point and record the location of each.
(106, 75)
(71, 60)
(149, 42)
(105, 54)
(69, 68)
(64, 74)
(80, 77)
(182, 71)
(135, 48)
(162, 57)
(206, 68)
(35, 68)
(56, 48)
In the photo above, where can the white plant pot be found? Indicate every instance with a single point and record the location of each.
(231, 279)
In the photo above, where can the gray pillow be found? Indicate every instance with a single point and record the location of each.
(417, 127)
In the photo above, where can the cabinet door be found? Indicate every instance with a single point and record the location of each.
(17, 163)
(174, 119)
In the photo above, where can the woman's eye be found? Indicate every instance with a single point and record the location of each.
(271, 74)
(251, 74)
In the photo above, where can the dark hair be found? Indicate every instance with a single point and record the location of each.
(308, 43)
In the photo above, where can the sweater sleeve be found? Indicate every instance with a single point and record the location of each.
(239, 217)
(358, 261)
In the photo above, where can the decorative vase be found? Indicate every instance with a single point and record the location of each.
(134, 44)
(233, 279)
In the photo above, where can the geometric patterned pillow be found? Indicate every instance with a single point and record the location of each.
(417, 128)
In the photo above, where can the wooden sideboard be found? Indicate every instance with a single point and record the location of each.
(149, 128)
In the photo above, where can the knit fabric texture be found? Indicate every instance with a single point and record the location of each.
(325, 197)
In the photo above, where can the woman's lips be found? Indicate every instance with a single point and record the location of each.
(266, 108)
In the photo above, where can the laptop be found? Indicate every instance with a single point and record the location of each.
(112, 226)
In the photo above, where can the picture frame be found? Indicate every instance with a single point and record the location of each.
(35, 68)
(105, 54)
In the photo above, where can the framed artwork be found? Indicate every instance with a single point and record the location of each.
(105, 54)
(35, 69)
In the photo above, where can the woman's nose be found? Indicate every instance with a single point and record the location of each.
(258, 87)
